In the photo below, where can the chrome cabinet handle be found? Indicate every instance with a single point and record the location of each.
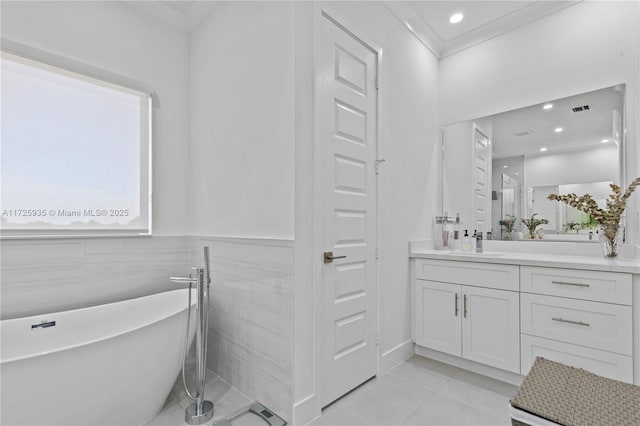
(329, 257)
(456, 304)
(586, 324)
(465, 306)
(573, 284)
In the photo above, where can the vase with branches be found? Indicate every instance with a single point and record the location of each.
(608, 218)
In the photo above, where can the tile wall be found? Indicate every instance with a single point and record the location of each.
(41, 276)
(251, 316)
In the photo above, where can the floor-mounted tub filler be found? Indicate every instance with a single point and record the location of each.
(112, 364)
(201, 410)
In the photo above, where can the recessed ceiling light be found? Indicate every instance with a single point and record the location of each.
(543, 149)
(409, 26)
(605, 140)
(456, 17)
(504, 167)
(547, 106)
(517, 174)
(558, 129)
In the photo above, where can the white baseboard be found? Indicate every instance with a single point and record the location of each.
(306, 410)
(396, 355)
(475, 367)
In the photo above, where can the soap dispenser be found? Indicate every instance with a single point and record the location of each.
(466, 241)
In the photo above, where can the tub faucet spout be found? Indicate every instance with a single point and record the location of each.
(183, 280)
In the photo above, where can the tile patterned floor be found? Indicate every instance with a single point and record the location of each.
(417, 392)
(423, 392)
(226, 400)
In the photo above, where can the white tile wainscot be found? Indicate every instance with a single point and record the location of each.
(56, 274)
(251, 316)
(494, 312)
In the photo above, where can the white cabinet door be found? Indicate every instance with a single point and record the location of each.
(490, 327)
(438, 314)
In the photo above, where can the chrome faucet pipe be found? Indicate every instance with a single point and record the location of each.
(201, 410)
(200, 333)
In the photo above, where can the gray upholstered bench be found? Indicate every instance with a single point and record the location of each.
(556, 394)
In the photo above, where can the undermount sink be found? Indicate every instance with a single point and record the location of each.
(473, 253)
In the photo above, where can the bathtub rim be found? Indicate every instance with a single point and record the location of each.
(5, 361)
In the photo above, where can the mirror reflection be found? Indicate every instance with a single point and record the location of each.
(568, 145)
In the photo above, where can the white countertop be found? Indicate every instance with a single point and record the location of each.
(593, 263)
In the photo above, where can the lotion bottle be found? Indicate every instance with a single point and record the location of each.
(479, 242)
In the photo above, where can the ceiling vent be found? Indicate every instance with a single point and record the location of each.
(523, 133)
(581, 108)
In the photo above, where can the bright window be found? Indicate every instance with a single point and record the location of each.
(75, 153)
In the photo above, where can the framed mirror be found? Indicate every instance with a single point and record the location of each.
(568, 145)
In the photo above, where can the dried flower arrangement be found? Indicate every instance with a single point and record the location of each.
(533, 223)
(608, 218)
(507, 222)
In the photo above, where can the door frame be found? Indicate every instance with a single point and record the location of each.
(325, 11)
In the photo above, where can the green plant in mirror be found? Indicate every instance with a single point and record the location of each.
(608, 218)
(573, 226)
(532, 223)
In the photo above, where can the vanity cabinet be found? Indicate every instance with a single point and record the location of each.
(476, 322)
(504, 315)
(580, 318)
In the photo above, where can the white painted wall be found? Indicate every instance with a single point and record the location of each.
(242, 87)
(587, 46)
(119, 40)
(591, 165)
(242, 121)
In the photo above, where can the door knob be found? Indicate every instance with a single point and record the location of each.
(329, 257)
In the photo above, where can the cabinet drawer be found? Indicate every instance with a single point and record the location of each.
(491, 275)
(591, 324)
(611, 287)
(607, 364)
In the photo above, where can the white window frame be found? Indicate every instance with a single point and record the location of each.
(88, 73)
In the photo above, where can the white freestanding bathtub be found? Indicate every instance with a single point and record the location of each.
(112, 364)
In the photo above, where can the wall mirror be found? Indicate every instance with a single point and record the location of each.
(500, 169)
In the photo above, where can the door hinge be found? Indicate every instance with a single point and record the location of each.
(382, 160)
(377, 339)
(377, 86)
(377, 253)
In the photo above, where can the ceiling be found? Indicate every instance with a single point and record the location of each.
(182, 14)
(427, 20)
(524, 131)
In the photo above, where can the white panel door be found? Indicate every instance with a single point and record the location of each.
(490, 327)
(438, 314)
(347, 154)
(481, 179)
